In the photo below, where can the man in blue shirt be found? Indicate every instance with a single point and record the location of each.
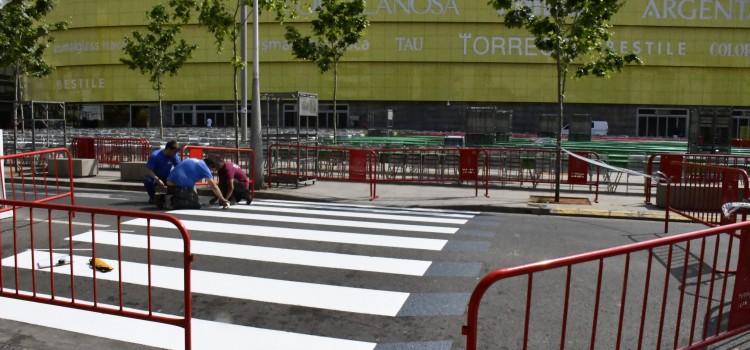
(159, 165)
(181, 182)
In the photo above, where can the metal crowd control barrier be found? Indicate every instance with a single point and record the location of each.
(535, 166)
(111, 151)
(620, 298)
(40, 251)
(419, 165)
(670, 166)
(299, 163)
(242, 157)
(36, 176)
(702, 190)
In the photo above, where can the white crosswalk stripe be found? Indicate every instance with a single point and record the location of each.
(205, 334)
(351, 214)
(302, 234)
(316, 221)
(278, 255)
(353, 228)
(321, 296)
(416, 212)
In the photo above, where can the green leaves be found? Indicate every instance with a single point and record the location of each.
(339, 25)
(25, 35)
(157, 52)
(575, 31)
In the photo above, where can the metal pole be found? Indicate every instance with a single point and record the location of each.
(257, 137)
(243, 73)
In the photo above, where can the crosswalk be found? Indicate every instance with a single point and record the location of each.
(343, 261)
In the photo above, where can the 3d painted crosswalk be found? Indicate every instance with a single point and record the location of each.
(224, 234)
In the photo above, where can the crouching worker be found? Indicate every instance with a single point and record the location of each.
(181, 183)
(160, 163)
(233, 183)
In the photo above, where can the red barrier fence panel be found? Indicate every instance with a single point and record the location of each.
(111, 151)
(242, 157)
(39, 176)
(578, 171)
(469, 165)
(290, 163)
(436, 165)
(83, 147)
(668, 292)
(669, 165)
(702, 191)
(45, 268)
(536, 166)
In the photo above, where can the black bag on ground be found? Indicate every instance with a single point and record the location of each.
(185, 198)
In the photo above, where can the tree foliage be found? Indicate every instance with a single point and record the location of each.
(157, 52)
(573, 31)
(339, 25)
(25, 35)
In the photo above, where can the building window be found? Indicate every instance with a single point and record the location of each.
(741, 118)
(325, 112)
(197, 115)
(662, 122)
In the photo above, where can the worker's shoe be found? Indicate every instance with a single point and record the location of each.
(213, 201)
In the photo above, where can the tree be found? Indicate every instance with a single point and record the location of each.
(158, 52)
(24, 37)
(573, 32)
(225, 20)
(340, 24)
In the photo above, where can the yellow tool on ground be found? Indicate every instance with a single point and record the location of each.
(100, 265)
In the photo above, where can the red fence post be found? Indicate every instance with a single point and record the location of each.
(468, 164)
(739, 314)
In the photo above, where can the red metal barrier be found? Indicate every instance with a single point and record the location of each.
(426, 165)
(668, 164)
(701, 192)
(111, 151)
(41, 229)
(36, 176)
(620, 298)
(535, 166)
(243, 157)
(289, 163)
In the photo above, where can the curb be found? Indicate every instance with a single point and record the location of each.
(531, 210)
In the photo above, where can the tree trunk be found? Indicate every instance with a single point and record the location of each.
(558, 154)
(236, 105)
(16, 99)
(161, 111)
(335, 90)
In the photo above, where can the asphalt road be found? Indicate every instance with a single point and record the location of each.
(300, 275)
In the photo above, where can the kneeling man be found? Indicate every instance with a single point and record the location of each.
(181, 183)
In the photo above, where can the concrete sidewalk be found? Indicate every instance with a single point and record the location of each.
(510, 200)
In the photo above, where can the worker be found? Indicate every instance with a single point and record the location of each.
(181, 183)
(233, 183)
(160, 163)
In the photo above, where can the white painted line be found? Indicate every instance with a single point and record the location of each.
(313, 295)
(276, 255)
(315, 221)
(351, 214)
(100, 196)
(206, 334)
(373, 206)
(65, 222)
(302, 234)
(382, 210)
